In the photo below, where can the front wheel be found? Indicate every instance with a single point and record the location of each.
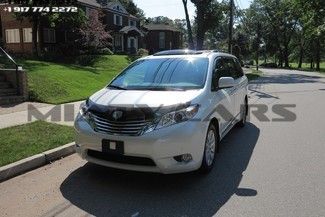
(210, 149)
(243, 114)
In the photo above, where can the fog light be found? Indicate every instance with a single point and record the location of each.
(183, 158)
(186, 157)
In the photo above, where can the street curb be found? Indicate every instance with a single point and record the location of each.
(36, 161)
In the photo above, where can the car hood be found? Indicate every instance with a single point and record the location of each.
(138, 98)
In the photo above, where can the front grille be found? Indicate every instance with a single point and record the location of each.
(119, 158)
(129, 128)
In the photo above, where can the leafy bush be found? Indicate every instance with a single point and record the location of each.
(140, 53)
(68, 49)
(94, 36)
(87, 60)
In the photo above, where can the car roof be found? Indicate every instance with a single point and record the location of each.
(184, 53)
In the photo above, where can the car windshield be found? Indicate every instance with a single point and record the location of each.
(163, 74)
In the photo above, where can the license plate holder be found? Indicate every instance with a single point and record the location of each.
(112, 146)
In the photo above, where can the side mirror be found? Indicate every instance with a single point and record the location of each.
(226, 82)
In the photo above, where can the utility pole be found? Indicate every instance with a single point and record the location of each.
(189, 28)
(231, 23)
(258, 45)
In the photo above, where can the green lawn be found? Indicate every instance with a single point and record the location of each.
(60, 82)
(26, 140)
(306, 66)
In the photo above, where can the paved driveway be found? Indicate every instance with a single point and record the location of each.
(269, 168)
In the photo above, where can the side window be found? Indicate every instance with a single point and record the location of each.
(220, 70)
(233, 70)
(215, 75)
(229, 64)
(239, 71)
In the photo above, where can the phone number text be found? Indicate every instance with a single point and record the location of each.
(41, 9)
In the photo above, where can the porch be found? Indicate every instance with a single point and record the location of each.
(127, 40)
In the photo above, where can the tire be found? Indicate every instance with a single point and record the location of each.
(210, 149)
(243, 113)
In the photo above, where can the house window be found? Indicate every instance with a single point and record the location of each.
(162, 37)
(118, 20)
(12, 36)
(49, 35)
(27, 35)
(132, 23)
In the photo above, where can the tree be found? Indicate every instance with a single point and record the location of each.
(160, 20)
(133, 9)
(189, 28)
(207, 17)
(313, 22)
(93, 34)
(278, 23)
(40, 19)
(180, 24)
(70, 21)
(68, 24)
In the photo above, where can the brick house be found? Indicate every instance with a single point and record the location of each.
(124, 27)
(16, 35)
(162, 37)
(127, 37)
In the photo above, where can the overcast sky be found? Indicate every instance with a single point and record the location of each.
(173, 8)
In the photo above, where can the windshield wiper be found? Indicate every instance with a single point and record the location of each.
(165, 88)
(116, 87)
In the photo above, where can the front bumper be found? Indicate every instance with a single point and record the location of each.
(161, 146)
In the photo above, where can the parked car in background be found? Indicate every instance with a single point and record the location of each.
(165, 113)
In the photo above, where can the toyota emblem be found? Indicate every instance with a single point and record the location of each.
(117, 115)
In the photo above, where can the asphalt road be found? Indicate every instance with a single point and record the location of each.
(268, 168)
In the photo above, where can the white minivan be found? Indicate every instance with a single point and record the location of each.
(164, 113)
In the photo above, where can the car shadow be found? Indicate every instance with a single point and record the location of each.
(288, 79)
(102, 191)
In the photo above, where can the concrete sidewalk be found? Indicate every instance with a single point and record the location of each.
(19, 114)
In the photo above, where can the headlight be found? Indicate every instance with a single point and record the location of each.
(172, 118)
(85, 114)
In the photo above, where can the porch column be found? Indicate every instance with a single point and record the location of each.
(113, 43)
(122, 42)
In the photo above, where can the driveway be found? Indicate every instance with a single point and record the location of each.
(272, 167)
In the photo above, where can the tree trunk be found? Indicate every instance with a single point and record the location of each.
(317, 54)
(35, 25)
(280, 58)
(200, 26)
(40, 37)
(189, 28)
(301, 56)
(301, 51)
(286, 56)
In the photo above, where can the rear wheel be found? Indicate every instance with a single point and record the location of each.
(210, 149)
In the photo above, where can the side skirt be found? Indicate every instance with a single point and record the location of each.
(233, 122)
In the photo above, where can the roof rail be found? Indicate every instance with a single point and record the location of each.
(178, 52)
